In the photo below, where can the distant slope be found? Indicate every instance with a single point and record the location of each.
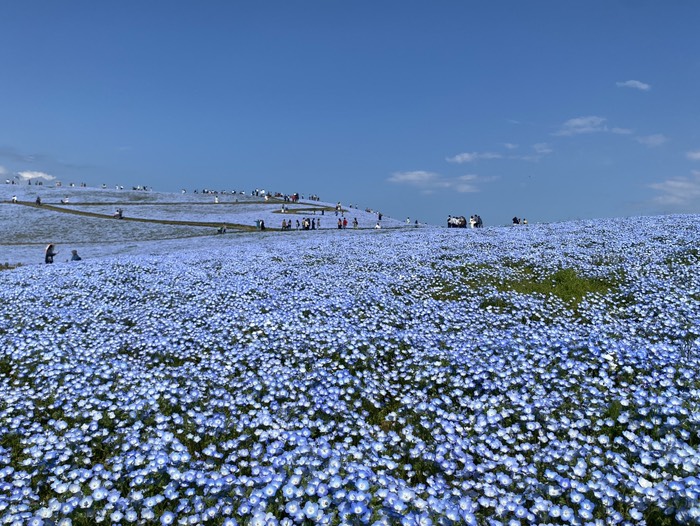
(83, 218)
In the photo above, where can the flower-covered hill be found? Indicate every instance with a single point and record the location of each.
(419, 376)
(81, 218)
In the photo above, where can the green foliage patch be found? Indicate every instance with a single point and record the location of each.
(566, 284)
(690, 256)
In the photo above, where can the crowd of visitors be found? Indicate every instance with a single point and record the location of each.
(461, 221)
(314, 223)
(306, 223)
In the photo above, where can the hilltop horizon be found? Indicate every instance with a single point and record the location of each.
(84, 218)
(44, 181)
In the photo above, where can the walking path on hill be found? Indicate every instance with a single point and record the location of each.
(63, 209)
(149, 226)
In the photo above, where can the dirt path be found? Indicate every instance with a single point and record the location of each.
(206, 224)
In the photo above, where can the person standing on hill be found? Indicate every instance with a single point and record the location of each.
(49, 253)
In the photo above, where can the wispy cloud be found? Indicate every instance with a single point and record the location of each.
(470, 157)
(30, 175)
(694, 155)
(679, 191)
(539, 150)
(466, 184)
(15, 155)
(589, 124)
(417, 178)
(3, 170)
(8, 152)
(429, 182)
(579, 125)
(652, 141)
(542, 148)
(634, 84)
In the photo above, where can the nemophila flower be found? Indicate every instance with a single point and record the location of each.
(100, 494)
(262, 519)
(311, 510)
(406, 495)
(540, 391)
(362, 484)
(289, 490)
(292, 507)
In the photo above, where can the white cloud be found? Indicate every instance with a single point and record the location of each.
(542, 148)
(3, 170)
(652, 141)
(461, 158)
(679, 191)
(429, 182)
(634, 84)
(510, 145)
(415, 178)
(693, 156)
(466, 184)
(35, 175)
(589, 124)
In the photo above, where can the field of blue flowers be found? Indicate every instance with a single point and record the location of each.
(25, 231)
(539, 374)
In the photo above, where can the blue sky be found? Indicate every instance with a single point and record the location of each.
(549, 110)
